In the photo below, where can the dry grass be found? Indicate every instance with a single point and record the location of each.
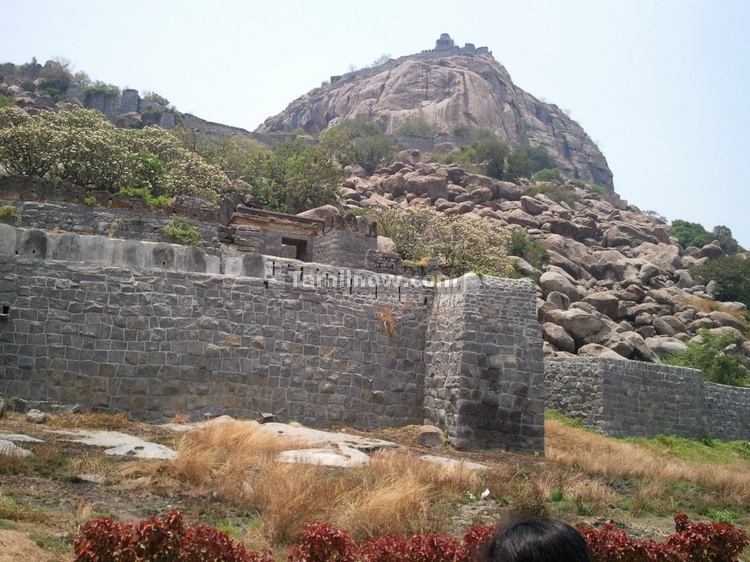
(91, 420)
(397, 492)
(596, 454)
(13, 511)
(708, 305)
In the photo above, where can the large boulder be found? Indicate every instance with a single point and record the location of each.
(552, 281)
(433, 186)
(576, 322)
(532, 205)
(664, 346)
(324, 212)
(605, 302)
(557, 336)
(395, 185)
(711, 251)
(597, 350)
(726, 319)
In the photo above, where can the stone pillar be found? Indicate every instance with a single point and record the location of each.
(484, 378)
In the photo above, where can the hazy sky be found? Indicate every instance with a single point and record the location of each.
(662, 86)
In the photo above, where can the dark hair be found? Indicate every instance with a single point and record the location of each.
(538, 540)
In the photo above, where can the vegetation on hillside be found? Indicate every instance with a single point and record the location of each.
(458, 243)
(80, 146)
(710, 355)
(694, 234)
(358, 141)
(294, 177)
(731, 274)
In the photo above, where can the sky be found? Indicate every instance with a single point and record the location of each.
(662, 86)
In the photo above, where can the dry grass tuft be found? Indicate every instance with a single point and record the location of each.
(397, 492)
(603, 456)
(13, 511)
(92, 420)
(707, 305)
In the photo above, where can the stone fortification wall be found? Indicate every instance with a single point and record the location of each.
(156, 344)
(623, 398)
(156, 330)
(484, 364)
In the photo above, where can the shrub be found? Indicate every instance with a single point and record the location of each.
(292, 178)
(548, 174)
(731, 274)
(689, 233)
(324, 543)
(8, 213)
(180, 230)
(80, 146)
(5, 102)
(558, 193)
(89, 200)
(100, 87)
(415, 127)
(358, 141)
(165, 539)
(145, 194)
(156, 98)
(488, 155)
(709, 356)
(458, 243)
(522, 245)
(525, 161)
(577, 183)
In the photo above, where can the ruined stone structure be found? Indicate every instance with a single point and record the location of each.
(624, 398)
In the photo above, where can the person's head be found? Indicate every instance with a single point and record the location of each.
(538, 540)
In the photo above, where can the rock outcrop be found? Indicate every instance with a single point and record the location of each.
(449, 87)
(616, 284)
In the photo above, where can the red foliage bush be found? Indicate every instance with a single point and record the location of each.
(165, 539)
(692, 542)
(168, 539)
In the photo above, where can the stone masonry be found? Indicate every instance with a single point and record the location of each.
(158, 329)
(624, 398)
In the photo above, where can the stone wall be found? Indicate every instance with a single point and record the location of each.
(625, 398)
(156, 344)
(157, 330)
(343, 247)
(484, 378)
(727, 411)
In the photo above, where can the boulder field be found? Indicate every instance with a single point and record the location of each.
(616, 285)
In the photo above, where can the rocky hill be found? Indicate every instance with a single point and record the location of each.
(450, 87)
(616, 284)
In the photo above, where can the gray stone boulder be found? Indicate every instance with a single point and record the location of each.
(578, 323)
(395, 185)
(532, 205)
(664, 346)
(552, 281)
(36, 416)
(322, 213)
(711, 251)
(597, 350)
(641, 350)
(557, 336)
(434, 187)
(605, 302)
(430, 436)
(726, 319)
(387, 245)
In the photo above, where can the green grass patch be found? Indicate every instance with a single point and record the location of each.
(145, 193)
(11, 510)
(700, 450)
(58, 545)
(563, 419)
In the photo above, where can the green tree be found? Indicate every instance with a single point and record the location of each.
(709, 356)
(525, 161)
(415, 127)
(490, 154)
(689, 233)
(731, 274)
(293, 178)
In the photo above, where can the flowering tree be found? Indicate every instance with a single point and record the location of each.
(82, 147)
(459, 243)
